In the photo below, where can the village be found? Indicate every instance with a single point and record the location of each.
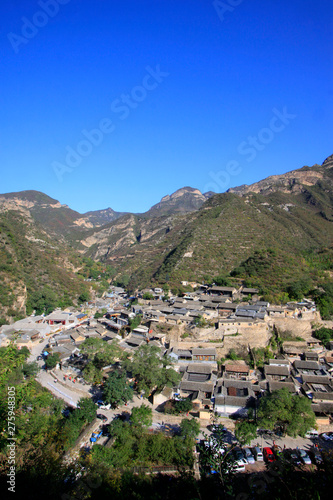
(206, 333)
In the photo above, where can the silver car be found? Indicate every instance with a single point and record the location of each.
(248, 455)
(304, 457)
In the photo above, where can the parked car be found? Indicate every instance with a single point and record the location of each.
(293, 457)
(315, 456)
(248, 455)
(304, 457)
(102, 417)
(268, 454)
(258, 454)
(240, 461)
(312, 434)
(327, 436)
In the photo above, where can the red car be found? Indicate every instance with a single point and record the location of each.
(268, 455)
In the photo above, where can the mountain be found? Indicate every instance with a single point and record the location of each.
(62, 221)
(183, 200)
(293, 182)
(99, 217)
(35, 270)
(273, 233)
(291, 213)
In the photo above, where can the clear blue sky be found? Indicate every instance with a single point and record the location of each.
(222, 80)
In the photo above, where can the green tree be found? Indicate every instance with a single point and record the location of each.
(91, 374)
(245, 431)
(86, 409)
(116, 388)
(30, 369)
(142, 415)
(189, 427)
(135, 322)
(291, 413)
(324, 335)
(52, 360)
(150, 369)
(84, 297)
(147, 296)
(183, 405)
(222, 280)
(200, 322)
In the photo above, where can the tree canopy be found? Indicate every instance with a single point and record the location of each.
(291, 413)
(116, 388)
(245, 431)
(150, 369)
(142, 415)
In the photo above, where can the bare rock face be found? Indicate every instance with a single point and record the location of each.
(328, 162)
(183, 200)
(292, 182)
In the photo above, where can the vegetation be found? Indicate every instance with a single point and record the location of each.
(116, 388)
(30, 259)
(324, 335)
(183, 405)
(135, 322)
(245, 432)
(52, 360)
(150, 370)
(43, 434)
(189, 428)
(135, 447)
(142, 415)
(98, 354)
(292, 414)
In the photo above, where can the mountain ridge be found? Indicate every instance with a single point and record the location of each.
(232, 232)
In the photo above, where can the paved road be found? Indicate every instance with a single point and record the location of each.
(46, 379)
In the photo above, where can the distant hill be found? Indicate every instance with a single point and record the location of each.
(291, 213)
(183, 200)
(34, 269)
(271, 234)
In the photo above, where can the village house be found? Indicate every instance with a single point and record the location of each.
(61, 319)
(247, 292)
(311, 356)
(77, 337)
(233, 397)
(277, 373)
(204, 354)
(237, 371)
(226, 291)
(274, 385)
(276, 312)
(225, 309)
(307, 368)
(279, 362)
(162, 397)
(320, 391)
(198, 382)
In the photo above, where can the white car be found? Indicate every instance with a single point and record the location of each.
(240, 461)
(249, 456)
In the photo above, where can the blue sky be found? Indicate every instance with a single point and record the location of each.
(116, 104)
